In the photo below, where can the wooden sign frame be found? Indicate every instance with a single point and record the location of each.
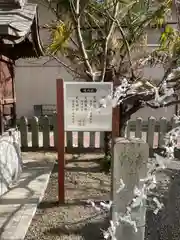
(61, 136)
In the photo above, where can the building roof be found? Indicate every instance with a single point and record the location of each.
(12, 3)
(19, 29)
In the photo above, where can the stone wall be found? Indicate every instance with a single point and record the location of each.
(10, 160)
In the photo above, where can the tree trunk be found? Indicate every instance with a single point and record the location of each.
(110, 77)
(123, 120)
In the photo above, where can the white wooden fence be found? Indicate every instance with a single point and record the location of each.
(41, 133)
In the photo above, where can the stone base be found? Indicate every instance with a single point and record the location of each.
(10, 160)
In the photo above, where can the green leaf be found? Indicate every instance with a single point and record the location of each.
(60, 36)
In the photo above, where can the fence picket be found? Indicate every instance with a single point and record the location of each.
(138, 132)
(92, 139)
(69, 139)
(152, 128)
(23, 128)
(55, 129)
(162, 131)
(80, 139)
(101, 139)
(44, 122)
(150, 131)
(34, 122)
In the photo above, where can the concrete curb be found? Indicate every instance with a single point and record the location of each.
(19, 205)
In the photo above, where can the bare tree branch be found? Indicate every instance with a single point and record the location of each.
(48, 5)
(163, 105)
(115, 20)
(66, 66)
(95, 22)
(175, 79)
(77, 19)
(134, 109)
(84, 4)
(168, 71)
(107, 39)
(177, 6)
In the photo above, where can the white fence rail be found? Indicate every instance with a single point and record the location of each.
(42, 133)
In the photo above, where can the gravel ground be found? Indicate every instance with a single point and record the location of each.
(77, 220)
(166, 224)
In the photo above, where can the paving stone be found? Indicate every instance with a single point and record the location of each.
(18, 206)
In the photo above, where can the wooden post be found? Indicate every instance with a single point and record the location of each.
(60, 146)
(130, 165)
(1, 118)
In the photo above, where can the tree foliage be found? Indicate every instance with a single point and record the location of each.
(107, 40)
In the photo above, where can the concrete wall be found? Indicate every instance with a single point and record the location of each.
(10, 160)
(35, 78)
(36, 85)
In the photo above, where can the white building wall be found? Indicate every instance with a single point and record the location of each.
(35, 79)
(36, 85)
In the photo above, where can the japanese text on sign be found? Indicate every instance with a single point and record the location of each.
(81, 101)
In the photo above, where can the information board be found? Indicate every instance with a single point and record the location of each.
(81, 104)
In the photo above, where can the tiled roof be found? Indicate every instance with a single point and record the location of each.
(19, 29)
(16, 23)
(12, 3)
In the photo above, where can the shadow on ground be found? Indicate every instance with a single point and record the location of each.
(53, 204)
(32, 170)
(88, 230)
(73, 165)
(94, 169)
(166, 224)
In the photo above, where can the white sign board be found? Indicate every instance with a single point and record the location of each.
(81, 104)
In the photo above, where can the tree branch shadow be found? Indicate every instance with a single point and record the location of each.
(89, 228)
(81, 158)
(52, 204)
(29, 174)
(92, 169)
